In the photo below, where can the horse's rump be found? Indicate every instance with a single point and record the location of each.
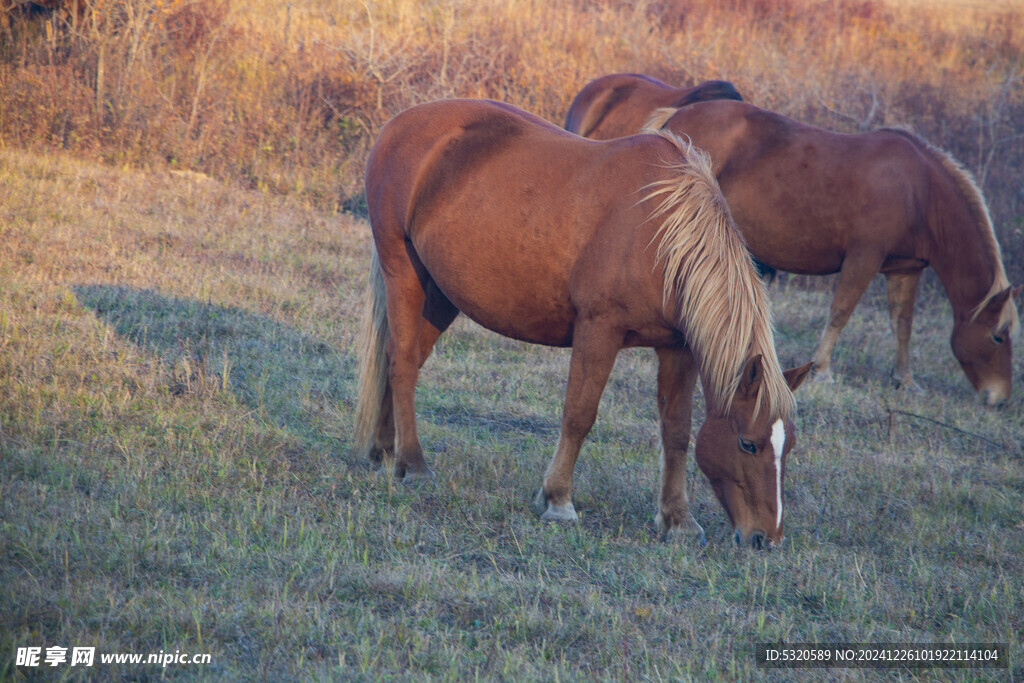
(617, 105)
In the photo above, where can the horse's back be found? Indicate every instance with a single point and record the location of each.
(740, 135)
(452, 155)
(734, 132)
(449, 137)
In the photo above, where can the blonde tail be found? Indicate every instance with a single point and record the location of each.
(373, 363)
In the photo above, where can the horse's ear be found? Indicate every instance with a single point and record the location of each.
(750, 377)
(796, 376)
(994, 306)
(1017, 290)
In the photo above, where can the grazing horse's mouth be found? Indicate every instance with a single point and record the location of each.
(758, 540)
(994, 398)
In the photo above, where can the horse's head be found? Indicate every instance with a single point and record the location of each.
(743, 454)
(983, 344)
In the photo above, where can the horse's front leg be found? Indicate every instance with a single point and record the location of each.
(677, 376)
(854, 277)
(594, 348)
(902, 288)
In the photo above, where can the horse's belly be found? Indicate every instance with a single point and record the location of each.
(522, 298)
(801, 261)
(548, 331)
(792, 247)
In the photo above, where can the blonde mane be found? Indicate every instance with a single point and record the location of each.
(659, 117)
(710, 280)
(976, 200)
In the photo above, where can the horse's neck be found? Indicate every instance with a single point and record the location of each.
(965, 260)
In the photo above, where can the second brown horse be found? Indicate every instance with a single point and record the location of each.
(816, 202)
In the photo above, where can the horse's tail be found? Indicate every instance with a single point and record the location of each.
(373, 362)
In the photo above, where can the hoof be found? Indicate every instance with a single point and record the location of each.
(418, 476)
(671, 534)
(910, 387)
(375, 457)
(823, 377)
(540, 502)
(560, 513)
(553, 513)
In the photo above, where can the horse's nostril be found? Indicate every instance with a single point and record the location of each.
(758, 540)
(738, 538)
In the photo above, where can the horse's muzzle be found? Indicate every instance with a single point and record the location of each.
(993, 397)
(758, 540)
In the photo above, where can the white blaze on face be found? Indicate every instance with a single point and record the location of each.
(779, 446)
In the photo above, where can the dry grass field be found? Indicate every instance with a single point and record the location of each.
(182, 264)
(286, 97)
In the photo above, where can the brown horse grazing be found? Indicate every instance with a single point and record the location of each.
(542, 236)
(816, 202)
(619, 105)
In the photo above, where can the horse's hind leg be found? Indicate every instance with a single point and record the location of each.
(417, 315)
(384, 434)
(854, 278)
(902, 287)
(438, 314)
(677, 376)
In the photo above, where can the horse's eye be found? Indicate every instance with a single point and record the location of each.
(748, 446)
(998, 338)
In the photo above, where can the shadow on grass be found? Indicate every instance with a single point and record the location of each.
(288, 377)
(496, 422)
